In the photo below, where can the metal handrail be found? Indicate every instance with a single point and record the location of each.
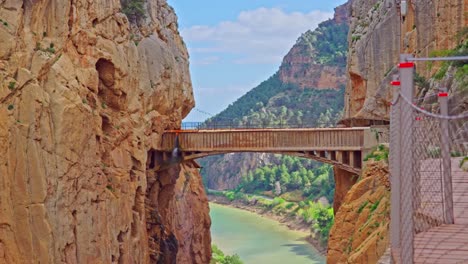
(247, 125)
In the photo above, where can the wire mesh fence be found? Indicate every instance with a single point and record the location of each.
(427, 164)
(429, 181)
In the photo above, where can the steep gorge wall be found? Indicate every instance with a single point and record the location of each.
(301, 65)
(82, 106)
(360, 232)
(226, 171)
(378, 35)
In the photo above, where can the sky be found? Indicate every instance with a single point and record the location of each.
(234, 45)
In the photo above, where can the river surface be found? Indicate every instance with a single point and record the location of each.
(259, 240)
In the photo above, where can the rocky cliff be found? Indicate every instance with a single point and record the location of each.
(317, 59)
(378, 34)
(225, 173)
(85, 94)
(360, 232)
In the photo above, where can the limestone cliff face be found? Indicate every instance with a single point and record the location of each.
(378, 35)
(360, 232)
(302, 64)
(81, 109)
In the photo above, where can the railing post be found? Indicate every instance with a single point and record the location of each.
(395, 171)
(407, 173)
(446, 160)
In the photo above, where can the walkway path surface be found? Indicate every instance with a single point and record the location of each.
(447, 244)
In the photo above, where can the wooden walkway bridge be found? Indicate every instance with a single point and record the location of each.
(342, 147)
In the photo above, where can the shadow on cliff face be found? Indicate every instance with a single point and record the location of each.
(108, 92)
(160, 191)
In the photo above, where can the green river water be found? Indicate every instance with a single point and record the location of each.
(259, 240)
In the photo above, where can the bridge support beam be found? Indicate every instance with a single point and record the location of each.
(352, 158)
(344, 180)
(343, 157)
(356, 159)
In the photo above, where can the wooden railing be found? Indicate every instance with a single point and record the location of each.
(342, 147)
(268, 140)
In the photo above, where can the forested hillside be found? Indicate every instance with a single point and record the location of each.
(308, 178)
(274, 102)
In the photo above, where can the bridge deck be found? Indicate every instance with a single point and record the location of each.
(343, 147)
(304, 139)
(448, 243)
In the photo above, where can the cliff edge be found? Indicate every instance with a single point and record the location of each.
(86, 92)
(360, 233)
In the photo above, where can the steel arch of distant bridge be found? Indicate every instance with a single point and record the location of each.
(342, 147)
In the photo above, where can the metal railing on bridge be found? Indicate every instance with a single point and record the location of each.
(213, 125)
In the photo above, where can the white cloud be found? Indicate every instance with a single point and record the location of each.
(262, 35)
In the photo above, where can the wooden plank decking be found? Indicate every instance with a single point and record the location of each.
(448, 243)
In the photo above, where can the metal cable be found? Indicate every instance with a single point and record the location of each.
(408, 101)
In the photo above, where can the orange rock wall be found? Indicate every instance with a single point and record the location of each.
(378, 35)
(81, 107)
(300, 67)
(360, 233)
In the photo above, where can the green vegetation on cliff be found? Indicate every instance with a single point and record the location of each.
(275, 101)
(134, 9)
(329, 41)
(460, 67)
(218, 257)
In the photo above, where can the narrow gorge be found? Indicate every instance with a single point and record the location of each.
(87, 89)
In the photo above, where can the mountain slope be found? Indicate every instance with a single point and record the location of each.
(307, 90)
